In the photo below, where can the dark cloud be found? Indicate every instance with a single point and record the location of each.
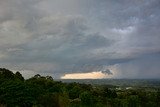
(107, 71)
(146, 66)
(59, 37)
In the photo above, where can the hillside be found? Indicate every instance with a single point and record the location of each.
(44, 91)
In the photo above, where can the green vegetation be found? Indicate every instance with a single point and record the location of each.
(43, 91)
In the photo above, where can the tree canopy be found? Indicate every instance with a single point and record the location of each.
(44, 91)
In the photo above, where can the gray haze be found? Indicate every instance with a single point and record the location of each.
(56, 37)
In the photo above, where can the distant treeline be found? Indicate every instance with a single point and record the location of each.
(119, 82)
(44, 91)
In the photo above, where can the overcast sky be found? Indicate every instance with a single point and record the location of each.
(60, 37)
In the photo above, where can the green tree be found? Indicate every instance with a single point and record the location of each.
(16, 93)
(133, 101)
(53, 100)
(109, 93)
(86, 98)
(19, 76)
(75, 92)
(7, 74)
(158, 97)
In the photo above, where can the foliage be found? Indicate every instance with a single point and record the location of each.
(43, 91)
(86, 98)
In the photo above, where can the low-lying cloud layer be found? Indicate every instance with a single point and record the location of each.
(58, 37)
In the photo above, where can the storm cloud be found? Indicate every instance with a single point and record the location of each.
(58, 37)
